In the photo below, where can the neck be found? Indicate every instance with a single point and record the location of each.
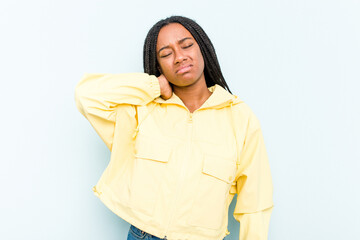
(193, 96)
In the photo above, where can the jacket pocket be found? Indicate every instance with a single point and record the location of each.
(149, 171)
(209, 206)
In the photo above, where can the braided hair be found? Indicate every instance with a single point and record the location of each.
(212, 70)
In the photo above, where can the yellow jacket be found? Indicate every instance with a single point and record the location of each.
(174, 173)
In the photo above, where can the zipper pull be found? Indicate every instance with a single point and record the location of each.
(190, 118)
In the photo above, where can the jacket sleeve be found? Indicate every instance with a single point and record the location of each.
(98, 97)
(253, 186)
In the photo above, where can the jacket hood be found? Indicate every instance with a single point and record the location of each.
(218, 99)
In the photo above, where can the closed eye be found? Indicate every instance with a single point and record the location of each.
(165, 55)
(188, 45)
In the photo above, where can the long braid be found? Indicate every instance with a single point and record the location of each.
(212, 70)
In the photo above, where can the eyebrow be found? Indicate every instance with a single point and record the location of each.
(180, 41)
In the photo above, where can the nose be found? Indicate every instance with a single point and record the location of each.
(179, 56)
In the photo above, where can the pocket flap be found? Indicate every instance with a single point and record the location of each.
(222, 169)
(152, 148)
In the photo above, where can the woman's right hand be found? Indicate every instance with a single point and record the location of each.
(165, 88)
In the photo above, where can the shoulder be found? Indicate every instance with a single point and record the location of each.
(244, 114)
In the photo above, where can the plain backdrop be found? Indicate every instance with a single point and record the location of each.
(295, 63)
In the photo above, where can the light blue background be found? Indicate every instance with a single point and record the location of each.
(296, 63)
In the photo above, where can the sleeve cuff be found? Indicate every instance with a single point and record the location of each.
(155, 86)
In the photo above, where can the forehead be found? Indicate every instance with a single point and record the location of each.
(172, 33)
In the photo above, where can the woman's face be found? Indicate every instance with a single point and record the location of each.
(179, 56)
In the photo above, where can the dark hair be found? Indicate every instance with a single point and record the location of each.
(212, 70)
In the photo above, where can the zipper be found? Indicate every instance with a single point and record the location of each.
(190, 119)
(190, 133)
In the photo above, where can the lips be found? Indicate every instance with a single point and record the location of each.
(184, 69)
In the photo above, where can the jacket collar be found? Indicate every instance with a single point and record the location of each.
(218, 99)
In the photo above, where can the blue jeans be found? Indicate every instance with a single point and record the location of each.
(136, 234)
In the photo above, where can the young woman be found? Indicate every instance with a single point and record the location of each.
(181, 144)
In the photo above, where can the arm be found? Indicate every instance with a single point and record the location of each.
(254, 186)
(254, 226)
(98, 96)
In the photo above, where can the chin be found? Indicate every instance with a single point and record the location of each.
(186, 79)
